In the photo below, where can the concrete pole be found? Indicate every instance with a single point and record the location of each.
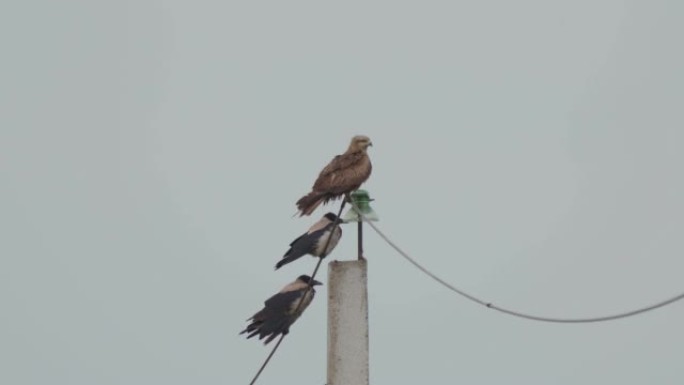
(348, 323)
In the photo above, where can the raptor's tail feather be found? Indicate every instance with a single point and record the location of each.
(309, 202)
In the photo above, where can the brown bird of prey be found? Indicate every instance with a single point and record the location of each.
(315, 240)
(344, 174)
(282, 309)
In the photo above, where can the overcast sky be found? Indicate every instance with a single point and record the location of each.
(151, 152)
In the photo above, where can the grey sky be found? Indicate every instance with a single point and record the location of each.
(151, 153)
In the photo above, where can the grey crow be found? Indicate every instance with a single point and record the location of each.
(313, 241)
(282, 309)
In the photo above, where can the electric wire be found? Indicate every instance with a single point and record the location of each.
(514, 312)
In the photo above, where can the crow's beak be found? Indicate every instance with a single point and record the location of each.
(315, 283)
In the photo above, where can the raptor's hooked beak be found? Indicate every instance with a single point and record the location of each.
(370, 144)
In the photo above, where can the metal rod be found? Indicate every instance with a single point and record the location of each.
(360, 237)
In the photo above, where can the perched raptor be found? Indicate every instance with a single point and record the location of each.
(282, 309)
(344, 174)
(314, 241)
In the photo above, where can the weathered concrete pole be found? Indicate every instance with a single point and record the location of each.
(348, 323)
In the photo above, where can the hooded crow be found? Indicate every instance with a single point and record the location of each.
(282, 309)
(313, 241)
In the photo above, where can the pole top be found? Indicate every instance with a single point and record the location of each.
(362, 200)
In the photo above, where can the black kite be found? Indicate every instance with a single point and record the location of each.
(344, 174)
